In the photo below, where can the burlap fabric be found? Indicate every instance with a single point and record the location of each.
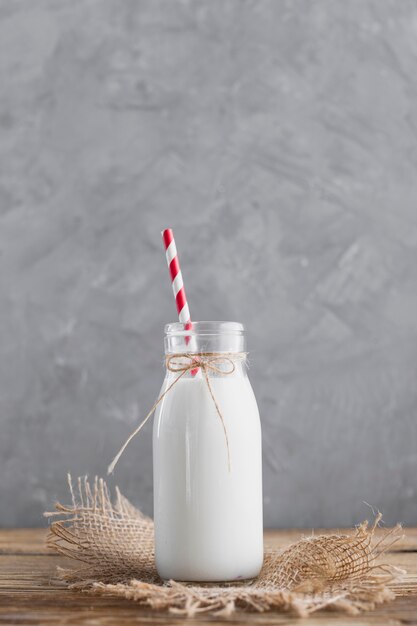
(113, 547)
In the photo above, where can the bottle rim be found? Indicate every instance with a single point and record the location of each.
(204, 328)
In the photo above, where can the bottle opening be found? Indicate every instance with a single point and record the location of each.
(204, 337)
(204, 328)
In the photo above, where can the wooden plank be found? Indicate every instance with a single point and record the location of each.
(30, 593)
(26, 540)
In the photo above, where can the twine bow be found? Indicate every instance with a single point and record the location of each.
(221, 363)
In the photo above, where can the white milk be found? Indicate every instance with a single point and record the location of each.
(208, 521)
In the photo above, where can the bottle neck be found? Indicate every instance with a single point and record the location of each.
(204, 337)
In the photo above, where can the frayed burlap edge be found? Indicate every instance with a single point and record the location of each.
(113, 544)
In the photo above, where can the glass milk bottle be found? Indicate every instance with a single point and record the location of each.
(207, 466)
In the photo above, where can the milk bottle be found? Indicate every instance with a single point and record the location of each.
(207, 467)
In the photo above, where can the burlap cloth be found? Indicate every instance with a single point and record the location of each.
(112, 545)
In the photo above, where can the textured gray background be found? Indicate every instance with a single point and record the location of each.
(279, 140)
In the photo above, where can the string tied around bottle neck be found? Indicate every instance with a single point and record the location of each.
(218, 363)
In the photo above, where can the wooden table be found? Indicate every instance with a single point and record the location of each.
(30, 593)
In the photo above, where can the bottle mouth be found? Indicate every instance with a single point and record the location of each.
(204, 329)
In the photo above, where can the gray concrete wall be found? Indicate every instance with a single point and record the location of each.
(279, 140)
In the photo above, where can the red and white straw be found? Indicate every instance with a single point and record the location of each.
(176, 276)
(178, 284)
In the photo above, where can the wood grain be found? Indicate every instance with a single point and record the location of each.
(31, 594)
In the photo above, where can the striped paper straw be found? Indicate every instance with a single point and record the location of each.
(176, 276)
(177, 282)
